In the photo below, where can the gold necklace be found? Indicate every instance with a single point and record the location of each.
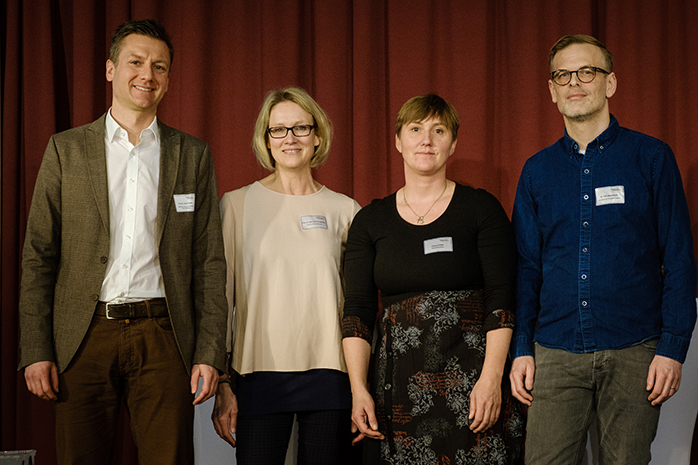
(420, 219)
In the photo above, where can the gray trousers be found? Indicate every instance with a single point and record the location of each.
(569, 389)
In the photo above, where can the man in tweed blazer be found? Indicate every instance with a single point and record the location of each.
(123, 281)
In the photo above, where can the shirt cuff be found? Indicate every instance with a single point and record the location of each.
(673, 347)
(353, 326)
(521, 346)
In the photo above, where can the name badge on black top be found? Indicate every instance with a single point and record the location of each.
(439, 244)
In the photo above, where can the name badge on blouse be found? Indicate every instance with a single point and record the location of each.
(184, 202)
(610, 195)
(313, 222)
(439, 244)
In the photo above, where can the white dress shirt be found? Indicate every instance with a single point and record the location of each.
(133, 172)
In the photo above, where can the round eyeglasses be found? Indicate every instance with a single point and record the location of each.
(585, 74)
(279, 132)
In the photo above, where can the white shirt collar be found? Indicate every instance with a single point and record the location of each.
(113, 128)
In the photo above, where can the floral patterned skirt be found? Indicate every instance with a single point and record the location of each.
(430, 355)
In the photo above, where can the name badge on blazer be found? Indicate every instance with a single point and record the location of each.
(184, 202)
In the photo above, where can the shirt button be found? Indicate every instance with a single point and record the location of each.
(387, 387)
(586, 197)
(586, 223)
(601, 148)
(103, 259)
(586, 171)
(584, 303)
(585, 249)
(124, 266)
(584, 276)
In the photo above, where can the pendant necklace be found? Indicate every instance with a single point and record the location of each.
(420, 218)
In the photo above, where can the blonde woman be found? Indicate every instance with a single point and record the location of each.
(284, 240)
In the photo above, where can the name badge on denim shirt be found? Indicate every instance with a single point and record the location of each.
(439, 244)
(313, 222)
(609, 195)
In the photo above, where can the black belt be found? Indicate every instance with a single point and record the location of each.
(141, 309)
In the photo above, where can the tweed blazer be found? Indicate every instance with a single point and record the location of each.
(67, 246)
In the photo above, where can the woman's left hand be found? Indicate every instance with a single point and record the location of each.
(485, 403)
(225, 413)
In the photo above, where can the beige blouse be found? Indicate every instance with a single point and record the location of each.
(284, 284)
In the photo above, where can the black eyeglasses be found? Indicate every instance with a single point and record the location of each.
(585, 74)
(279, 132)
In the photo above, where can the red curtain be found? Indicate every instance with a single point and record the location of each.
(361, 60)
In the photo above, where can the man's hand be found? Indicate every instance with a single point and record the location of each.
(210, 384)
(663, 379)
(521, 377)
(42, 380)
(225, 413)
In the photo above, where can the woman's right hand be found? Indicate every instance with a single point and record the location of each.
(363, 417)
(225, 413)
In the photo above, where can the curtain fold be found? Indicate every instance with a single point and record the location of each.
(361, 60)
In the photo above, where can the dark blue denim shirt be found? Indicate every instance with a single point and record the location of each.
(605, 247)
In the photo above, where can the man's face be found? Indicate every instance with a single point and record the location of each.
(578, 101)
(141, 76)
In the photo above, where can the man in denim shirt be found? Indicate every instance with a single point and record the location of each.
(606, 276)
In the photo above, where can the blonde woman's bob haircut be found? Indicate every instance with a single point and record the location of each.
(323, 126)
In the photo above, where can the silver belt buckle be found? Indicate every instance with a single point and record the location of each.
(106, 311)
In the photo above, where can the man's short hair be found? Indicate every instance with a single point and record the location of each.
(323, 126)
(568, 40)
(144, 27)
(425, 106)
